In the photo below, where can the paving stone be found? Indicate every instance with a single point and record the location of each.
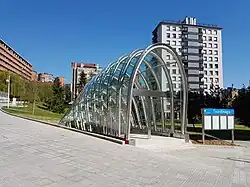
(34, 154)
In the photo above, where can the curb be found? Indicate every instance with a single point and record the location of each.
(114, 140)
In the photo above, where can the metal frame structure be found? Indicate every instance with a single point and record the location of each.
(127, 94)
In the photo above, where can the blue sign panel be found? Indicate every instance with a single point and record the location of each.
(215, 111)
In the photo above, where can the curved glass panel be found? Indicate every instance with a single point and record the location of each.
(138, 93)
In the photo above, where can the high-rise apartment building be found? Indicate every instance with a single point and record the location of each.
(200, 47)
(77, 69)
(11, 61)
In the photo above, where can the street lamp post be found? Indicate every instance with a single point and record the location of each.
(8, 81)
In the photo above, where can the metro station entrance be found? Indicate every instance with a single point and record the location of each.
(141, 92)
(149, 112)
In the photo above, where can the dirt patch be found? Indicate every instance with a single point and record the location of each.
(213, 142)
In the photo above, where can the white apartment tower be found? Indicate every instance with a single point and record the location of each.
(200, 47)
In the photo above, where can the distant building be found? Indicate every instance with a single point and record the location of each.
(11, 61)
(34, 76)
(77, 68)
(59, 81)
(3, 97)
(45, 77)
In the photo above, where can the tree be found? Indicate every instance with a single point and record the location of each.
(67, 94)
(56, 103)
(195, 104)
(241, 105)
(91, 74)
(45, 92)
(82, 82)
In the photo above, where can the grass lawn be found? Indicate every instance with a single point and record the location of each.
(40, 113)
(237, 126)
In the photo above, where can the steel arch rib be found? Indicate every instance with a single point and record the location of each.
(184, 82)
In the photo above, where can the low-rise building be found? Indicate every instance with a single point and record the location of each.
(34, 76)
(45, 77)
(59, 81)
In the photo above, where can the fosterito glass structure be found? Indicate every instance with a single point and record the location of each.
(128, 96)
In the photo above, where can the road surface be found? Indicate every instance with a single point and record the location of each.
(34, 154)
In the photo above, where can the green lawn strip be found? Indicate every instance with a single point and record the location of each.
(237, 126)
(39, 114)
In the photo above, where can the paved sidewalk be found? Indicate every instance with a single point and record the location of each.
(34, 154)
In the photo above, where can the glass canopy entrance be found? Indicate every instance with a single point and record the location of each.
(139, 93)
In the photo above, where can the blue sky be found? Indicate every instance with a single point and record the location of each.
(51, 34)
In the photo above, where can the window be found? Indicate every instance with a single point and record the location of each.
(168, 42)
(215, 45)
(205, 86)
(216, 73)
(216, 66)
(205, 58)
(215, 39)
(211, 79)
(205, 79)
(174, 42)
(174, 85)
(174, 71)
(210, 59)
(174, 28)
(216, 52)
(168, 28)
(178, 42)
(168, 57)
(174, 35)
(204, 44)
(168, 35)
(210, 52)
(210, 72)
(215, 31)
(174, 78)
(205, 65)
(216, 59)
(209, 32)
(204, 38)
(179, 35)
(210, 45)
(210, 38)
(205, 72)
(184, 43)
(210, 65)
(178, 28)
(205, 51)
(185, 50)
(216, 80)
(204, 31)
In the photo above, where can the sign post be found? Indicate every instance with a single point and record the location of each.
(232, 136)
(217, 119)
